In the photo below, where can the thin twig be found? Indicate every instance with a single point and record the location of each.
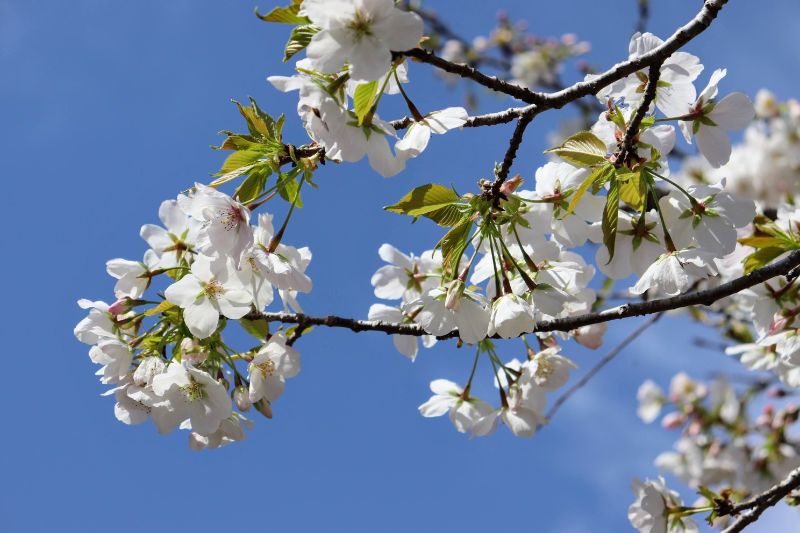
(601, 363)
(760, 503)
(704, 297)
(631, 133)
(511, 152)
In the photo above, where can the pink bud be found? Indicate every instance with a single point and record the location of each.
(673, 420)
(192, 351)
(263, 407)
(454, 292)
(121, 306)
(778, 324)
(511, 185)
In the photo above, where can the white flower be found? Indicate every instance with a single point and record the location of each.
(212, 288)
(637, 245)
(171, 244)
(547, 211)
(98, 325)
(650, 512)
(225, 222)
(116, 358)
(284, 266)
(548, 369)
(188, 393)
(230, 431)
(133, 277)
(273, 363)
(523, 415)
(462, 309)
(709, 223)
(674, 272)
(126, 409)
(675, 89)
(511, 316)
(148, 368)
(362, 33)
(405, 344)
(406, 276)
(651, 399)
(449, 398)
(710, 121)
(418, 133)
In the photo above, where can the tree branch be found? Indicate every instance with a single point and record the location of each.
(704, 297)
(558, 99)
(760, 503)
(513, 147)
(653, 75)
(601, 363)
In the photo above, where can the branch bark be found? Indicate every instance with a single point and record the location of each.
(704, 297)
(760, 503)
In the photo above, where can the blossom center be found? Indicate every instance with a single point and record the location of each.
(193, 391)
(361, 25)
(267, 368)
(230, 217)
(213, 288)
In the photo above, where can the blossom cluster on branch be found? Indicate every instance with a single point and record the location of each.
(615, 199)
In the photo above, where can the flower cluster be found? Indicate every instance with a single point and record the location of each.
(170, 363)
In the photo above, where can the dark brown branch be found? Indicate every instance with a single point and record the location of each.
(511, 152)
(558, 99)
(644, 15)
(760, 503)
(626, 148)
(607, 358)
(704, 297)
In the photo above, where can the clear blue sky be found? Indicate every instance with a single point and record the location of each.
(108, 107)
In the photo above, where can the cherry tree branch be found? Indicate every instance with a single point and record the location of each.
(760, 503)
(558, 99)
(607, 358)
(654, 73)
(703, 297)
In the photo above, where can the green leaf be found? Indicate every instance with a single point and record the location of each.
(633, 189)
(285, 15)
(599, 173)
(424, 199)
(252, 186)
(288, 189)
(453, 245)
(240, 159)
(258, 328)
(611, 217)
(762, 242)
(447, 216)
(299, 39)
(160, 308)
(761, 258)
(584, 149)
(362, 99)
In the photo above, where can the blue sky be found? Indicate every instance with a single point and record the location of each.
(108, 107)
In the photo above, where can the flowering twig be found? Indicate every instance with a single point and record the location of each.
(511, 153)
(601, 363)
(704, 297)
(758, 504)
(653, 75)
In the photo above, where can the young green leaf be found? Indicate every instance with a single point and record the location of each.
(611, 217)
(240, 159)
(285, 15)
(453, 245)
(761, 258)
(424, 199)
(584, 149)
(600, 173)
(363, 98)
(299, 39)
(633, 190)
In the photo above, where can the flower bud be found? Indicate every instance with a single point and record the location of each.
(192, 351)
(766, 104)
(454, 293)
(263, 407)
(673, 420)
(121, 306)
(511, 185)
(241, 397)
